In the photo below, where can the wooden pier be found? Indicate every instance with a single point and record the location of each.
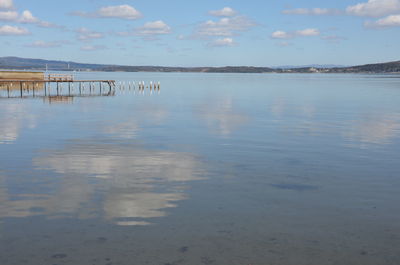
(65, 85)
(53, 85)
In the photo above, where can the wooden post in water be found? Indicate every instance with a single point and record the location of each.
(69, 88)
(8, 90)
(33, 88)
(100, 86)
(20, 85)
(57, 88)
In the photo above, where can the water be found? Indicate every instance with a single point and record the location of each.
(212, 169)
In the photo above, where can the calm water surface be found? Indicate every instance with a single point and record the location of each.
(212, 169)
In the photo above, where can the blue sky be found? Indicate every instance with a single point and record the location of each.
(202, 33)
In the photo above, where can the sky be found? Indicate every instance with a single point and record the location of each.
(202, 33)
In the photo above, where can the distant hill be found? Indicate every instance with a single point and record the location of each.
(390, 67)
(309, 66)
(39, 64)
(226, 69)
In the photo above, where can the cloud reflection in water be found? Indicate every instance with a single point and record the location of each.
(306, 119)
(222, 117)
(375, 129)
(14, 117)
(133, 183)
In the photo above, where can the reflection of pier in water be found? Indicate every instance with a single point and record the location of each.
(58, 99)
(59, 87)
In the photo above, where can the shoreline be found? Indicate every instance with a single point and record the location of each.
(193, 72)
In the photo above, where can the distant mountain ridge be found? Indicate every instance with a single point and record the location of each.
(17, 63)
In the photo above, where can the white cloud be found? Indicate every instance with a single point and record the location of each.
(27, 17)
(45, 24)
(12, 30)
(293, 34)
(45, 44)
(8, 15)
(390, 21)
(281, 35)
(307, 32)
(222, 42)
(6, 4)
(312, 11)
(225, 27)
(153, 28)
(374, 8)
(93, 47)
(224, 12)
(121, 12)
(85, 34)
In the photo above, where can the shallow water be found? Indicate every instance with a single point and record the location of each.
(212, 169)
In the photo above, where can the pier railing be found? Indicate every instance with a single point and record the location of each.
(59, 77)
